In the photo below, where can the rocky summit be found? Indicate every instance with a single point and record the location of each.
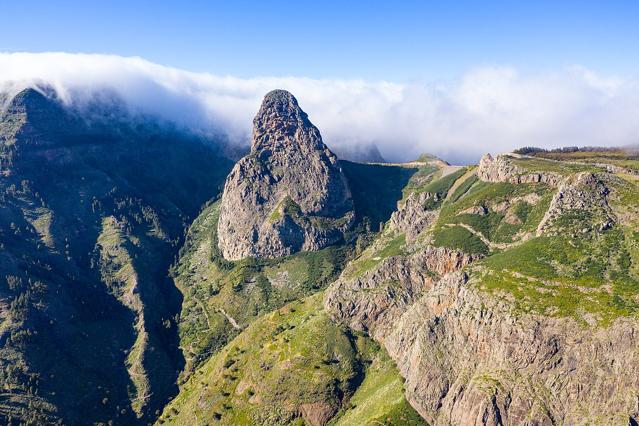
(289, 193)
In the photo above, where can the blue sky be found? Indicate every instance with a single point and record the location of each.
(397, 41)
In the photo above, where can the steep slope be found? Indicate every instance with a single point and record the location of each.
(294, 366)
(221, 297)
(226, 302)
(527, 311)
(291, 361)
(91, 216)
(289, 194)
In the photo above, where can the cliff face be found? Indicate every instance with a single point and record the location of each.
(289, 194)
(414, 215)
(374, 301)
(469, 359)
(516, 304)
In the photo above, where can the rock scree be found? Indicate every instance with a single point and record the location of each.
(289, 193)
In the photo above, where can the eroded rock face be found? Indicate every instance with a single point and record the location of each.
(375, 300)
(585, 192)
(289, 194)
(318, 413)
(414, 215)
(501, 169)
(468, 360)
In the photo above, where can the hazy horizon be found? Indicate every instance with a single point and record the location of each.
(454, 79)
(486, 109)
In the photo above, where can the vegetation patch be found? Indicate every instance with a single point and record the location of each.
(463, 188)
(544, 165)
(289, 365)
(386, 247)
(380, 399)
(283, 364)
(458, 238)
(505, 218)
(221, 297)
(589, 278)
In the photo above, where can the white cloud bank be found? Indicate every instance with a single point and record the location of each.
(490, 109)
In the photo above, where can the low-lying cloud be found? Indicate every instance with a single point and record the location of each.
(489, 109)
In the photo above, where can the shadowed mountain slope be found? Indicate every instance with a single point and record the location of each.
(91, 216)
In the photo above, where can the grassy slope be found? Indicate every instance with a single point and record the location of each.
(221, 298)
(288, 362)
(591, 275)
(380, 399)
(290, 357)
(492, 225)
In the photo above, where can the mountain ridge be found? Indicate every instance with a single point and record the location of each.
(501, 293)
(91, 218)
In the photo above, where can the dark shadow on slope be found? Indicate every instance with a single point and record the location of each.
(376, 189)
(77, 335)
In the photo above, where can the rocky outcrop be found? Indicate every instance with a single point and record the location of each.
(318, 413)
(501, 169)
(289, 194)
(586, 192)
(373, 301)
(468, 360)
(414, 215)
(475, 210)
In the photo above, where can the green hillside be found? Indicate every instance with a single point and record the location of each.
(294, 366)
